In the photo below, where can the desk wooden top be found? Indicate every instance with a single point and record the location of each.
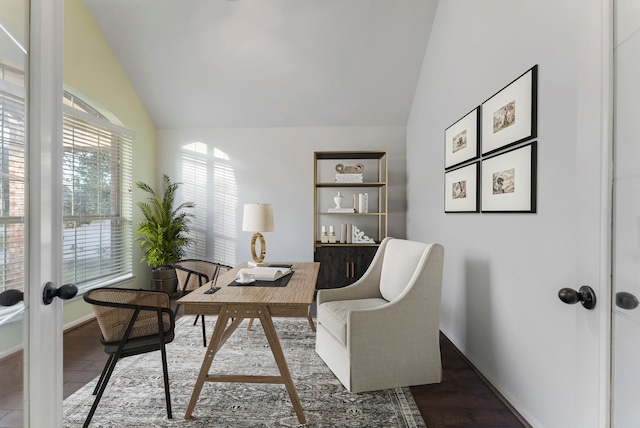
(292, 300)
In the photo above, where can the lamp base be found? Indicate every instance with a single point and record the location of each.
(258, 264)
(257, 260)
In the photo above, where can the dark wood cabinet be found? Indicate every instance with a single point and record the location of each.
(342, 265)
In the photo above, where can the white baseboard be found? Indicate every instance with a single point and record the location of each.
(79, 321)
(10, 351)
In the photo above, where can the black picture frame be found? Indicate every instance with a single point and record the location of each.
(462, 140)
(462, 189)
(509, 180)
(510, 115)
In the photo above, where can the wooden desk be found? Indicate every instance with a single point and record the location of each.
(239, 302)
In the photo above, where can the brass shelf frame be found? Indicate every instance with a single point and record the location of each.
(381, 185)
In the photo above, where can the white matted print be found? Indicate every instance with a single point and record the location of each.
(461, 139)
(509, 181)
(510, 116)
(461, 189)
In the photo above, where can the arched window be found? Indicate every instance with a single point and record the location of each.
(209, 181)
(97, 199)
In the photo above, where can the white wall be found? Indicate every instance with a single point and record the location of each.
(273, 165)
(503, 271)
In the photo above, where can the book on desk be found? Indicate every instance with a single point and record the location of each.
(266, 273)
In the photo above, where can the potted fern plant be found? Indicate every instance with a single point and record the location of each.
(163, 233)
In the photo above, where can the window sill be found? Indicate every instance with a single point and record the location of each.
(15, 313)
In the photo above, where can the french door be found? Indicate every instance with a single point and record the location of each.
(31, 40)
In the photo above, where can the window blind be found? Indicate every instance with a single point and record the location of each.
(97, 200)
(194, 174)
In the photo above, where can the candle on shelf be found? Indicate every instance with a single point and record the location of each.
(332, 235)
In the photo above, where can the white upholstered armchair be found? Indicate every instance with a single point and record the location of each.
(383, 330)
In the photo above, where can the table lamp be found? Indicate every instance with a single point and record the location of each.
(258, 218)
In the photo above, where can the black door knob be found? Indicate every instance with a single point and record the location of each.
(626, 300)
(585, 295)
(64, 292)
(11, 297)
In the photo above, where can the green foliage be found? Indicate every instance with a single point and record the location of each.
(164, 230)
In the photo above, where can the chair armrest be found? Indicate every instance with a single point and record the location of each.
(203, 271)
(202, 278)
(191, 271)
(128, 298)
(361, 289)
(117, 307)
(419, 320)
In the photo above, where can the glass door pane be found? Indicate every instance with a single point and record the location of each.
(14, 30)
(626, 208)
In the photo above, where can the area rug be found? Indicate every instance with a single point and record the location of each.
(135, 394)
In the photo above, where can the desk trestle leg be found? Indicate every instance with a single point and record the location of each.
(220, 335)
(274, 343)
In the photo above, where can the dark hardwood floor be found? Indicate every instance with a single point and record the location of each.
(463, 399)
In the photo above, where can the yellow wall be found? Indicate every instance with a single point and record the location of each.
(91, 67)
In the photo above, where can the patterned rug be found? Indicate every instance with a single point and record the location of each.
(135, 394)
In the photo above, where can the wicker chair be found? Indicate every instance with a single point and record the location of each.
(132, 322)
(194, 273)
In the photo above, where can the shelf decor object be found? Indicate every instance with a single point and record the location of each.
(509, 181)
(258, 218)
(461, 189)
(349, 173)
(359, 237)
(324, 238)
(339, 208)
(338, 200)
(509, 116)
(332, 235)
(350, 169)
(461, 140)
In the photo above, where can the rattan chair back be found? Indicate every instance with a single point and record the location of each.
(114, 308)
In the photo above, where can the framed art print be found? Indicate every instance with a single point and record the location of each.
(509, 181)
(461, 140)
(461, 187)
(510, 116)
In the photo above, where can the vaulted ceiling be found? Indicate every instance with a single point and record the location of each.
(270, 63)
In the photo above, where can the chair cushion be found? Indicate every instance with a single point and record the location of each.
(333, 315)
(139, 345)
(398, 266)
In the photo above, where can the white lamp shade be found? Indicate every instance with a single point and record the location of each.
(257, 218)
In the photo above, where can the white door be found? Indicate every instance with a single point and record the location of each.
(32, 35)
(626, 211)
